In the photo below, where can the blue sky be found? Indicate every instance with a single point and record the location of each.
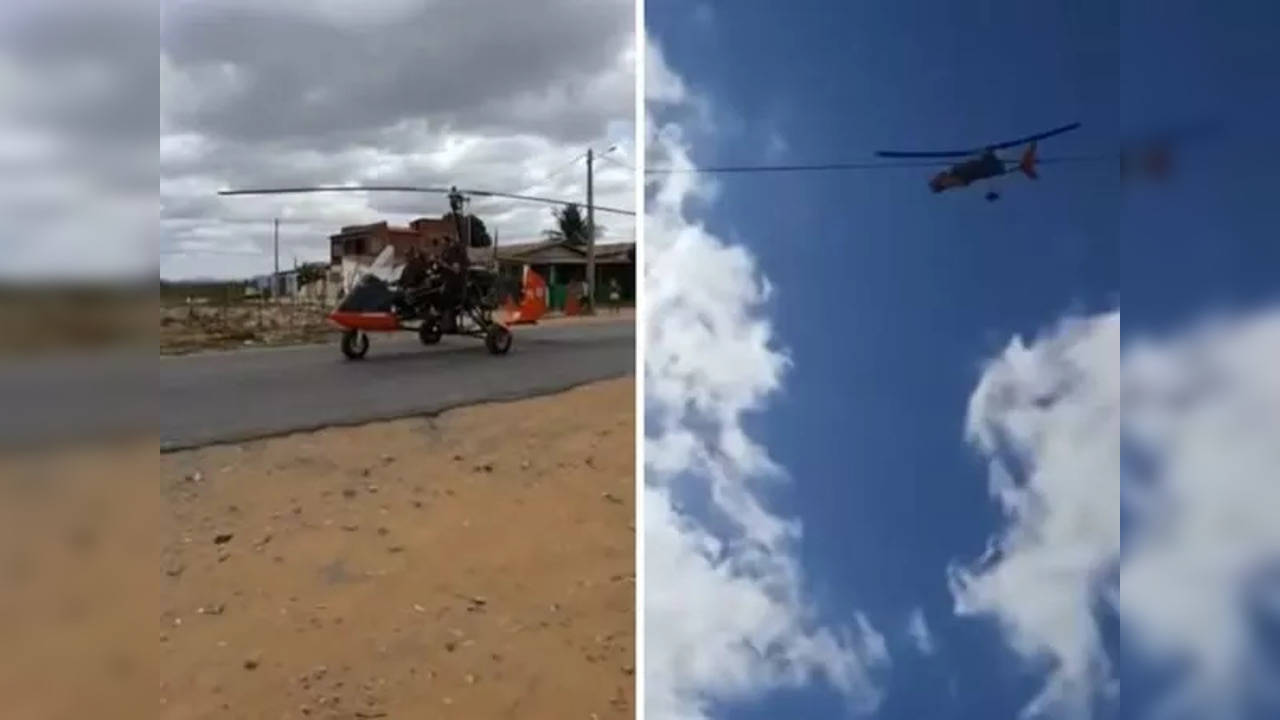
(889, 299)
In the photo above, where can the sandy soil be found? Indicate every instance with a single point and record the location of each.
(475, 565)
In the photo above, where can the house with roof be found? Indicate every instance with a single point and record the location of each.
(563, 265)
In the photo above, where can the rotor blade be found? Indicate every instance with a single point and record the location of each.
(410, 188)
(336, 188)
(793, 168)
(932, 154)
(1037, 136)
(974, 151)
(549, 201)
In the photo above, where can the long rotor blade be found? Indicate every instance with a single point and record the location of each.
(927, 154)
(411, 188)
(1037, 136)
(549, 201)
(335, 188)
(972, 151)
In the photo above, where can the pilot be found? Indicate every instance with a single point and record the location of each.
(453, 264)
(415, 269)
(411, 279)
(451, 268)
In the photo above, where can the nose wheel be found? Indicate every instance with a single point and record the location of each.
(355, 344)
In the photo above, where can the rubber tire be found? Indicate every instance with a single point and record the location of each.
(355, 344)
(430, 333)
(498, 339)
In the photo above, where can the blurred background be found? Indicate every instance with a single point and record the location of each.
(79, 88)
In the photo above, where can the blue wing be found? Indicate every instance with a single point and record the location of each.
(973, 151)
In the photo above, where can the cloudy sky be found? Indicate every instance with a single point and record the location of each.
(78, 92)
(905, 460)
(499, 95)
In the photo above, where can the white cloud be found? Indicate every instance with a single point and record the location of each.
(1196, 578)
(725, 612)
(1046, 416)
(918, 631)
(1202, 415)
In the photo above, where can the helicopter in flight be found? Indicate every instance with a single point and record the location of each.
(983, 163)
(448, 296)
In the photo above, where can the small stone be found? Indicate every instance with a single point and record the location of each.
(253, 661)
(471, 679)
(383, 531)
(196, 477)
(351, 528)
(372, 489)
(175, 569)
(611, 498)
(418, 608)
(222, 538)
(416, 504)
(450, 645)
(297, 509)
(628, 670)
(395, 549)
(348, 493)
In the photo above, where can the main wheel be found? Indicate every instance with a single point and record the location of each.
(430, 333)
(498, 339)
(354, 344)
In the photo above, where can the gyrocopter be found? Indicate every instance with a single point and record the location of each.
(434, 296)
(983, 162)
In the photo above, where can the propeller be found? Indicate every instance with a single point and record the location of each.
(415, 189)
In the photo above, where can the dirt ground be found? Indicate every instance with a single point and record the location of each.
(190, 328)
(475, 565)
(479, 564)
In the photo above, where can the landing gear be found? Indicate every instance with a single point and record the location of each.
(430, 333)
(498, 339)
(355, 344)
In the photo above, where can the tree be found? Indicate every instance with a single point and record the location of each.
(311, 272)
(479, 233)
(571, 226)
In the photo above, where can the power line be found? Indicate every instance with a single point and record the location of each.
(617, 162)
(562, 168)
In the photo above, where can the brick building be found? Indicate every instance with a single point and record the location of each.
(362, 243)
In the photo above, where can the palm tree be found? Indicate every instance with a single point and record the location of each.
(571, 226)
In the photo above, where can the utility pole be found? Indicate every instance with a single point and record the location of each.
(591, 236)
(275, 279)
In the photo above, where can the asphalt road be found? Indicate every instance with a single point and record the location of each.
(216, 397)
(221, 397)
